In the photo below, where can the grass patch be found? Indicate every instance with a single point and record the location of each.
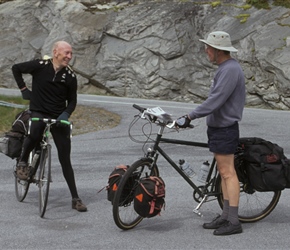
(85, 118)
(8, 114)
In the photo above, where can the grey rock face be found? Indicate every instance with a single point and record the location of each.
(151, 49)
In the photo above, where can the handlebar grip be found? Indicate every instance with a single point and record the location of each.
(139, 108)
(65, 122)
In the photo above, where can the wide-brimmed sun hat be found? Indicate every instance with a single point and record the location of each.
(219, 40)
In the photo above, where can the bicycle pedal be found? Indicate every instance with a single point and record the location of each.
(197, 212)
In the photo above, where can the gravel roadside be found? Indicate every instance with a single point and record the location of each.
(88, 119)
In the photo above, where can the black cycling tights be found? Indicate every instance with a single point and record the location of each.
(61, 137)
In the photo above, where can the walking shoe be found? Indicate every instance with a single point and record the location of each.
(78, 205)
(228, 228)
(216, 223)
(22, 170)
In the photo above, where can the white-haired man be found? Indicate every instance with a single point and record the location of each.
(53, 95)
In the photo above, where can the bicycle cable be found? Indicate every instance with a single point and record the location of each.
(147, 134)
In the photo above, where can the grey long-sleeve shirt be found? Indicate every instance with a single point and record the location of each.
(225, 103)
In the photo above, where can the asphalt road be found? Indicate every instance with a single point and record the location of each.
(94, 155)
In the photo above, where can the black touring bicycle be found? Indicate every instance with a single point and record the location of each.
(253, 205)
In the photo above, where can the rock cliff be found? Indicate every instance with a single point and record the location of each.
(150, 49)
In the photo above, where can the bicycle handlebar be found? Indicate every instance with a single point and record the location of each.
(50, 121)
(139, 108)
(158, 113)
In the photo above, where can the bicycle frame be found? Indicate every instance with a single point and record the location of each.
(45, 137)
(153, 153)
(44, 143)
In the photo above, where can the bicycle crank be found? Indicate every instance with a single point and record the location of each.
(196, 196)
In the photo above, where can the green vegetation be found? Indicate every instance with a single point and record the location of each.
(246, 6)
(243, 17)
(259, 4)
(215, 3)
(284, 3)
(264, 4)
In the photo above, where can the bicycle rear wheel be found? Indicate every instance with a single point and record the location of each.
(124, 214)
(253, 205)
(44, 178)
(21, 188)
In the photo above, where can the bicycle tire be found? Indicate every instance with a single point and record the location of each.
(124, 214)
(44, 178)
(253, 205)
(21, 188)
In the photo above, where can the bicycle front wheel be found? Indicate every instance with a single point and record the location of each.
(124, 214)
(253, 205)
(44, 178)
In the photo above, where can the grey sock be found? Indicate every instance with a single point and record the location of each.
(225, 212)
(233, 215)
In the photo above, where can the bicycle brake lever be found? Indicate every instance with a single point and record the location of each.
(172, 125)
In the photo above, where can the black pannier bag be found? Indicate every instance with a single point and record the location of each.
(149, 196)
(11, 143)
(4, 145)
(240, 168)
(15, 141)
(264, 164)
(286, 163)
(113, 184)
(21, 122)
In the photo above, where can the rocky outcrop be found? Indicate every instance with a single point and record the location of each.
(151, 49)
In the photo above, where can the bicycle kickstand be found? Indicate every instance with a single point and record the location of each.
(196, 210)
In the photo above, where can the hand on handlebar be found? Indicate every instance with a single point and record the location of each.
(62, 117)
(183, 122)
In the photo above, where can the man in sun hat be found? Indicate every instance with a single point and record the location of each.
(223, 110)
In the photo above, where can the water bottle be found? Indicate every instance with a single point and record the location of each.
(203, 172)
(186, 168)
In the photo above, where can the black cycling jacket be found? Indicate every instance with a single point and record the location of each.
(52, 93)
